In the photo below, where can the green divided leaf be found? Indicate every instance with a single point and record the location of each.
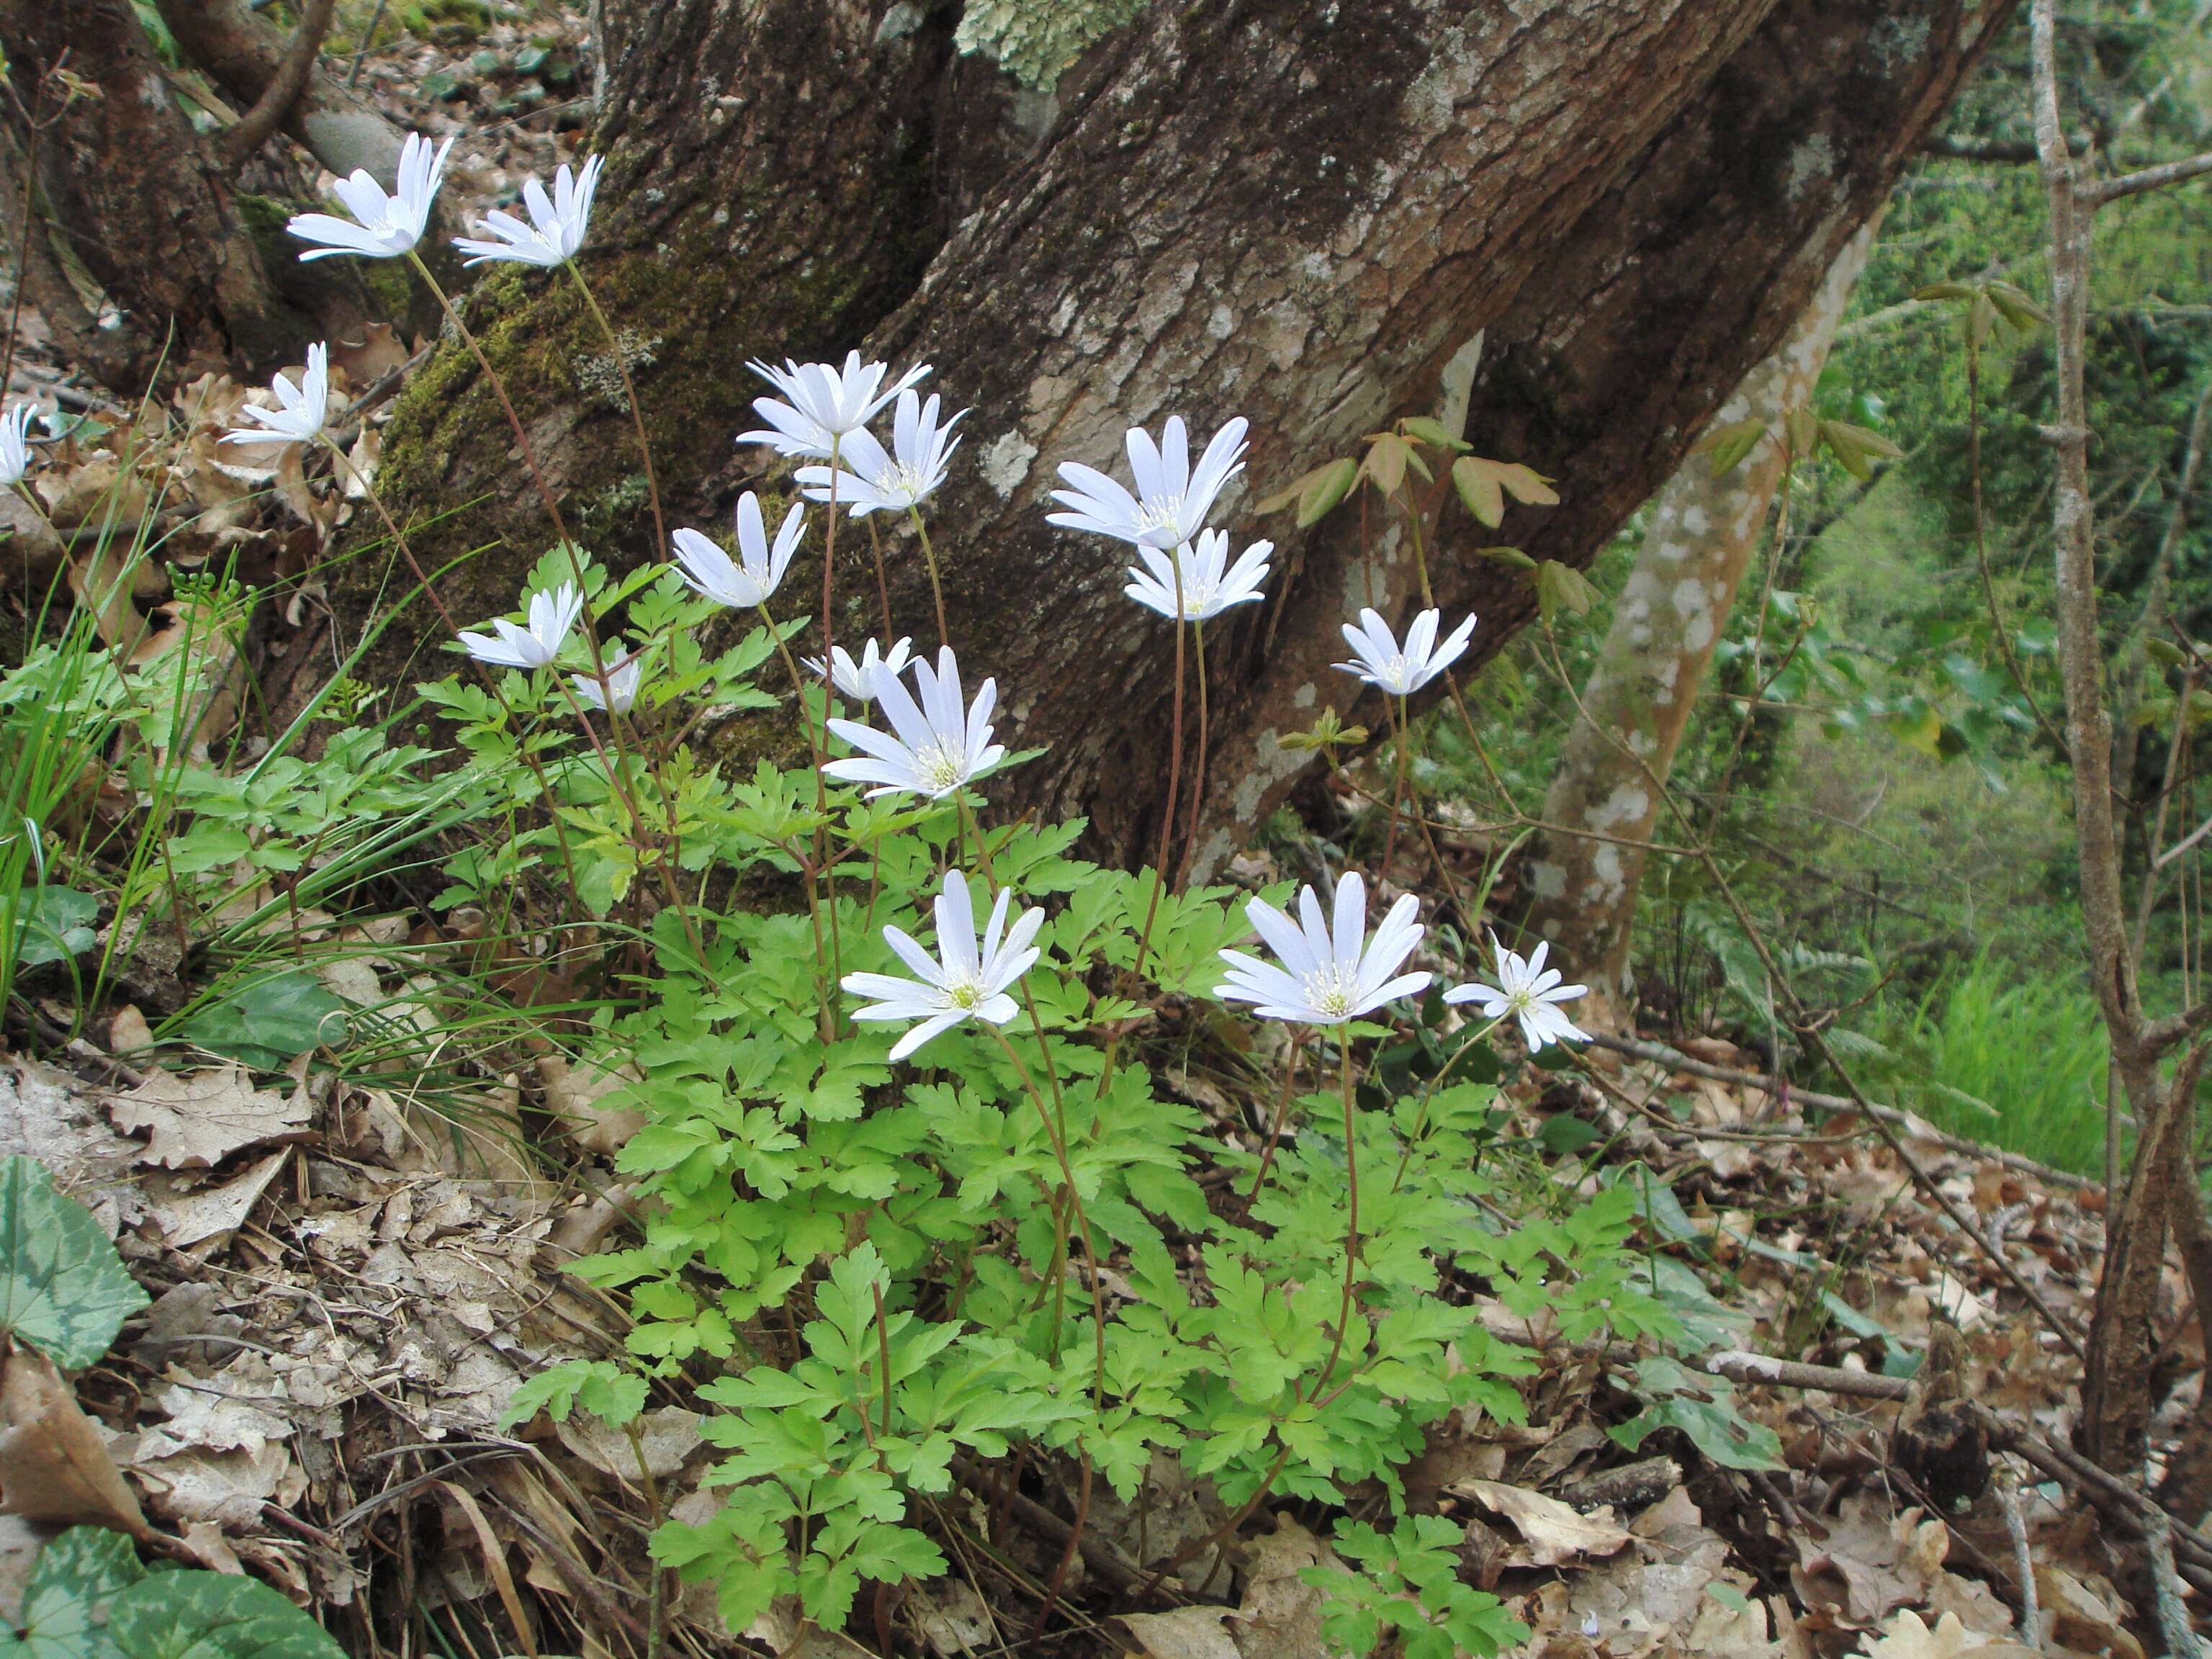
(63, 1288)
(210, 1615)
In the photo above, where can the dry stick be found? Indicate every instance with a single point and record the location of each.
(2173, 1621)
(2055, 1461)
(255, 127)
(2023, 1562)
(1780, 1089)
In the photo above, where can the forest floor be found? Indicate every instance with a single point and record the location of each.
(348, 1280)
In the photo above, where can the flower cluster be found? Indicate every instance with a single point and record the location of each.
(1327, 970)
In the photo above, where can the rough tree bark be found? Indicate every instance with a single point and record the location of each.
(1704, 529)
(122, 177)
(1287, 209)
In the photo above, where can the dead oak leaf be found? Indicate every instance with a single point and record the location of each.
(197, 1122)
(1551, 1533)
(54, 1465)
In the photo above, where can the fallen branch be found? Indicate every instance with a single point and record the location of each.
(1637, 1049)
(1741, 1365)
(2192, 1549)
(274, 106)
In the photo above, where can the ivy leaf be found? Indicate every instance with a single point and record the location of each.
(270, 1021)
(1387, 457)
(63, 1288)
(75, 1576)
(1431, 431)
(1512, 557)
(1480, 489)
(212, 1615)
(52, 923)
(1325, 488)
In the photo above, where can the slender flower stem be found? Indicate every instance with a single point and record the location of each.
(629, 391)
(1402, 730)
(1352, 1221)
(491, 680)
(835, 960)
(1275, 1125)
(936, 586)
(1174, 781)
(883, 582)
(1197, 757)
(1428, 1093)
(499, 390)
(822, 740)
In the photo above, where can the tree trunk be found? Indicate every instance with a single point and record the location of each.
(1637, 706)
(1289, 209)
(126, 182)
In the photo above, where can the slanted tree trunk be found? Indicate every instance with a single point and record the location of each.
(1703, 530)
(126, 185)
(1290, 210)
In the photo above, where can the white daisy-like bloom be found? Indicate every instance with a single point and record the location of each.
(388, 226)
(746, 581)
(551, 616)
(936, 744)
(870, 481)
(1328, 976)
(1528, 991)
(556, 227)
(16, 444)
(822, 406)
(301, 410)
(620, 695)
(1210, 583)
(852, 677)
(1403, 670)
(1172, 498)
(969, 983)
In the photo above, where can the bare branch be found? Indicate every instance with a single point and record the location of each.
(275, 104)
(2098, 191)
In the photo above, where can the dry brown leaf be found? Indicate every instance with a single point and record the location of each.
(668, 1437)
(1906, 1638)
(2080, 1615)
(188, 1217)
(128, 1032)
(1869, 1563)
(1551, 1533)
(1280, 1617)
(378, 351)
(952, 1620)
(573, 1093)
(198, 1121)
(1183, 1633)
(54, 1465)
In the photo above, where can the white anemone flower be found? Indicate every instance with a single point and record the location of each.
(1328, 977)
(556, 227)
(1402, 671)
(821, 405)
(620, 694)
(936, 744)
(551, 616)
(388, 226)
(747, 582)
(1528, 991)
(1209, 583)
(970, 982)
(1172, 498)
(16, 444)
(870, 481)
(853, 678)
(301, 410)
